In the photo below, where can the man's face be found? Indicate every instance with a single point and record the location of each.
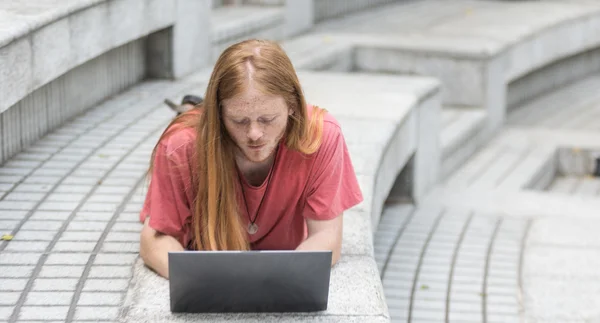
(256, 122)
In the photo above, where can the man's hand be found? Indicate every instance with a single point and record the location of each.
(324, 235)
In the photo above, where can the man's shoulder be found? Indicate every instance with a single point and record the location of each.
(330, 123)
(179, 140)
(331, 128)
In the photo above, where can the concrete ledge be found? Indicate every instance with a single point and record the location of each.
(20, 18)
(320, 53)
(71, 57)
(55, 38)
(460, 137)
(361, 301)
(386, 121)
(328, 9)
(61, 99)
(551, 77)
(233, 24)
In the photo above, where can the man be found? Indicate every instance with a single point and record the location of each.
(249, 166)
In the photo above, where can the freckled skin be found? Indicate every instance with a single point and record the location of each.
(255, 119)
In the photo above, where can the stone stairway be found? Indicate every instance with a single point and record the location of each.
(467, 262)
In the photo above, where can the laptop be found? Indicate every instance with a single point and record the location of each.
(249, 281)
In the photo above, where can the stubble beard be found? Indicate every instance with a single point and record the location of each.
(271, 153)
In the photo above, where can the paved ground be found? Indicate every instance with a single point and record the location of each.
(71, 202)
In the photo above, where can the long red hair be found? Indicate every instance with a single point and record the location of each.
(216, 220)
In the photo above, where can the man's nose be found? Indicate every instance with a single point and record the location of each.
(255, 132)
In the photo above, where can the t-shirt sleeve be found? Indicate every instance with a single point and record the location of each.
(166, 201)
(333, 186)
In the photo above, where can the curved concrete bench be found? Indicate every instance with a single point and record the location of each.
(387, 121)
(42, 40)
(60, 58)
(489, 56)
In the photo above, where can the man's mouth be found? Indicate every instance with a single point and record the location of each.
(256, 147)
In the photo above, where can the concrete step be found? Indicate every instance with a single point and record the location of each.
(225, 3)
(511, 161)
(400, 16)
(231, 24)
(576, 185)
(574, 107)
(461, 136)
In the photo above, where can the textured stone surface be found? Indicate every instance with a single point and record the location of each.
(356, 240)
(15, 82)
(87, 40)
(351, 279)
(51, 49)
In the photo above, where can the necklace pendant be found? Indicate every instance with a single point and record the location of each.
(252, 228)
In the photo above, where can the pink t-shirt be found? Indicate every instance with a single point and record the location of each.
(320, 186)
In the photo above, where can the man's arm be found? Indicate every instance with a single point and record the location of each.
(324, 235)
(155, 247)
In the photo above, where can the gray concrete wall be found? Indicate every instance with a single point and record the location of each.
(69, 95)
(40, 55)
(70, 58)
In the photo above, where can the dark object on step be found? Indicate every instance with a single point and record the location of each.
(183, 107)
(597, 171)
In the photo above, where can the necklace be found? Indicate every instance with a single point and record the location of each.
(252, 226)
